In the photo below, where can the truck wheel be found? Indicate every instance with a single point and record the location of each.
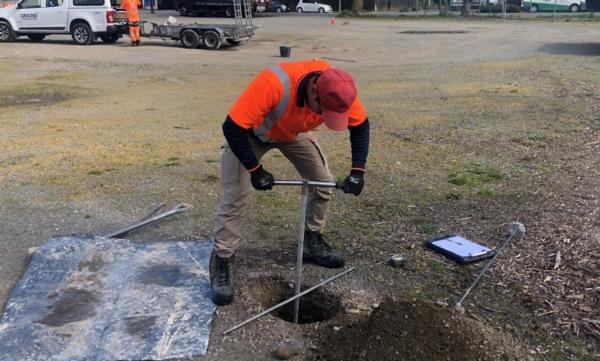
(109, 37)
(229, 12)
(189, 39)
(211, 40)
(6, 32)
(233, 42)
(36, 37)
(82, 34)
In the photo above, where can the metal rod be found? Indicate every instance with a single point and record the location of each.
(515, 229)
(336, 59)
(303, 202)
(310, 183)
(287, 301)
(180, 208)
(153, 211)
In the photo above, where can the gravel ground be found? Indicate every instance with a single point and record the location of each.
(92, 137)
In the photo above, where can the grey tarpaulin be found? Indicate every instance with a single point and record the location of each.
(110, 299)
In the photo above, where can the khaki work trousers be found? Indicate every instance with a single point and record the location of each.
(308, 159)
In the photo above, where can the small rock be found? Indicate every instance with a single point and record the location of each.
(336, 328)
(508, 327)
(459, 309)
(396, 260)
(375, 305)
(442, 303)
(285, 352)
(32, 250)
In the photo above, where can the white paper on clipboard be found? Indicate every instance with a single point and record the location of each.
(462, 247)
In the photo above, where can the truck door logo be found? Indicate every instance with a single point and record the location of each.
(30, 16)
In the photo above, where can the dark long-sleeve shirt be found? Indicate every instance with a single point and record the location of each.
(238, 139)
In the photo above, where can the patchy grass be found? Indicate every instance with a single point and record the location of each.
(35, 94)
(99, 172)
(474, 175)
(437, 266)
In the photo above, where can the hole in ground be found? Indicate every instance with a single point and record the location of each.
(317, 306)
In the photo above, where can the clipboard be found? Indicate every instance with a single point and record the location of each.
(460, 249)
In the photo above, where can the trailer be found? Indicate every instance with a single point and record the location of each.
(208, 36)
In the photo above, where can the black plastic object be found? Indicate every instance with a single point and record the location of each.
(459, 249)
(285, 51)
(107, 299)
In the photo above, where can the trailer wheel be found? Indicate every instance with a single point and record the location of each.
(211, 40)
(109, 37)
(189, 39)
(6, 32)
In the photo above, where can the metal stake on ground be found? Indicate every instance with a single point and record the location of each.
(287, 301)
(151, 218)
(303, 203)
(515, 230)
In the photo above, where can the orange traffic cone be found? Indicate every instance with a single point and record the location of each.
(332, 22)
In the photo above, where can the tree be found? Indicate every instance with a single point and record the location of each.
(357, 7)
(466, 8)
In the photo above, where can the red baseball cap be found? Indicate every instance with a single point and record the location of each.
(336, 92)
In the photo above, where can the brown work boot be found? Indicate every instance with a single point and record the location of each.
(221, 279)
(316, 250)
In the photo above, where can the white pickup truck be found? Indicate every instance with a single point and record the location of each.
(85, 20)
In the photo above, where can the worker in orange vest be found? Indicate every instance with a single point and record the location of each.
(278, 110)
(133, 18)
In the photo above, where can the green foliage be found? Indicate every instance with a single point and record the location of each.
(437, 266)
(426, 225)
(497, 8)
(474, 175)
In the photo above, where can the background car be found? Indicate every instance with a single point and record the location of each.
(314, 7)
(278, 7)
(548, 5)
(218, 7)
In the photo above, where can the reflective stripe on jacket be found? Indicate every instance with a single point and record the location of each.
(269, 105)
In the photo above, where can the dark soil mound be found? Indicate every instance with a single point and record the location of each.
(418, 331)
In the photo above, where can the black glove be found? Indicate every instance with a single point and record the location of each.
(261, 179)
(354, 183)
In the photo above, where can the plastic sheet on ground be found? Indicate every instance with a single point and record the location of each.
(110, 299)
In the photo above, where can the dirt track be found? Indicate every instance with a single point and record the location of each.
(93, 136)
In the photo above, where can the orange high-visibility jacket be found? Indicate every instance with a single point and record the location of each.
(269, 103)
(131, 7)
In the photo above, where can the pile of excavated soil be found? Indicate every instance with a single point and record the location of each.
(418, 331)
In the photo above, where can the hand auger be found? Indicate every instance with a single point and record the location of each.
(337, 185)
(305, 184)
